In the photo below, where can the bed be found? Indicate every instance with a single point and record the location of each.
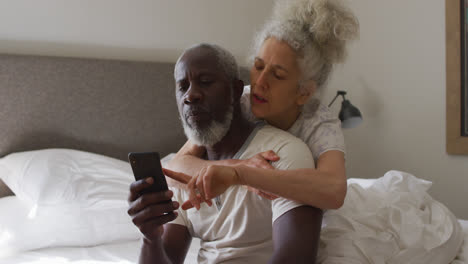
(67, 126)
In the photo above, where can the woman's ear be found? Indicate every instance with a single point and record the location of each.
(307, 91)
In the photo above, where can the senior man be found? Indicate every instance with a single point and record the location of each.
(240, 227)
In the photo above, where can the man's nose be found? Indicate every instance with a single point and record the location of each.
(193, 95)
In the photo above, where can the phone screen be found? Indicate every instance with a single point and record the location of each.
(148, 164)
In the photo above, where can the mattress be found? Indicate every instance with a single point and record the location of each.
(127, 252)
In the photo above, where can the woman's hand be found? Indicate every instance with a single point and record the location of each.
(214, 180)
(210, 182)
(262, 160)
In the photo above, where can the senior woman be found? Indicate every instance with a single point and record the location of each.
(293, 58)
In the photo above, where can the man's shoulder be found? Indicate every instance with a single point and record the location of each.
(293, 152)
(270, 132)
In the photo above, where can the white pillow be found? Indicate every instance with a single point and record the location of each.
(59, 176)
(64, 198)
(26, 227)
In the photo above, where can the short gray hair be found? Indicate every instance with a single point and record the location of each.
(225, 59)
(318, 30)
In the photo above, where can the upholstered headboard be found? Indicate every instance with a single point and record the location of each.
(102, 106)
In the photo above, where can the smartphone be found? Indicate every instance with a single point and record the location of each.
(148, 164)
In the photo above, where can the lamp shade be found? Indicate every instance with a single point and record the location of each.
(349, 115)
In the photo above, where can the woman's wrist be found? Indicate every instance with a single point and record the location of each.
(240, 174)
(230, 162)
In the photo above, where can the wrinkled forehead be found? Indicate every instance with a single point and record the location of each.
(196, 61)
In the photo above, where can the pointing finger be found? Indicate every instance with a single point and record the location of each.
(178, 176)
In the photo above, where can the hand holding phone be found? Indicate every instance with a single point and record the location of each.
(148, 164)
(156, 197)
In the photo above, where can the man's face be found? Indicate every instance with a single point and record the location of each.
(203, 94)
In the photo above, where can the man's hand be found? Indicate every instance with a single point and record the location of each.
(150, 211)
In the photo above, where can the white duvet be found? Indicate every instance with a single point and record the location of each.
(392, 220)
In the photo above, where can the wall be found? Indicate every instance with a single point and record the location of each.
(395, 73)
(125, 29)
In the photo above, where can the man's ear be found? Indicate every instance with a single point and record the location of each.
(307, 91)
(238, 89)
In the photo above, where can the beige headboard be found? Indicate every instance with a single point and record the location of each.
(103, 106)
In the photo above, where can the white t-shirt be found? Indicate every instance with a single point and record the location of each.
(240, 230)
(316, 126)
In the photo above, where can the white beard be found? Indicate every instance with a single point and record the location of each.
(210, 135)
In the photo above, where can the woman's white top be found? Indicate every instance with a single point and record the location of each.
(316, 126)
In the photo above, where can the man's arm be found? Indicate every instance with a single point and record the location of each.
(296, 235)
(172, 247)
(177, 240)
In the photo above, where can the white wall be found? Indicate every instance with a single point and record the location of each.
(395, 73)
(126, 29)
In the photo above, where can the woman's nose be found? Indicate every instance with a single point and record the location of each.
(262, 80)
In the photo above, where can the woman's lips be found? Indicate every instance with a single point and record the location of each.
(258, 99)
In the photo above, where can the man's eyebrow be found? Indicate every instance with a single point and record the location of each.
(205, 72)
(277, 66)
(178, 80)
(198, 74)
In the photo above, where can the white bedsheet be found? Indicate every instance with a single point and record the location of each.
(118, 253)
(127, 252)
(431, 221)
(462, 257)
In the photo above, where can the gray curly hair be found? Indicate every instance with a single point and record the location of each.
(317, 30)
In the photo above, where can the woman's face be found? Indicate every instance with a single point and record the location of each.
(274, 80)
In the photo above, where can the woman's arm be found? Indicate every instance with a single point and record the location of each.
(189, 160)
(323, 187)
